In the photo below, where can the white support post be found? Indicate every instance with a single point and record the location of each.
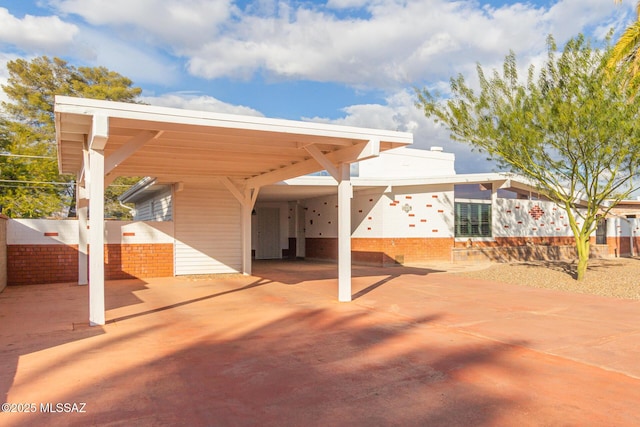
(246, 208)
(96, 237)
(345, 193)
(81, 212)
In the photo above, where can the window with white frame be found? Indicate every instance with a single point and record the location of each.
(472, 210)
(473, 219)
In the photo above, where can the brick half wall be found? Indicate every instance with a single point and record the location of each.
(42, 264)
(383, 251)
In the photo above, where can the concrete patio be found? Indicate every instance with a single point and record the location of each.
(417, 346)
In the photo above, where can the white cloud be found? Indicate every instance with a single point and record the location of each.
(392, 44)
(190, 101)
(346, 4)
(400, 113)
(178, 23)
(140, 64)
(36, 33)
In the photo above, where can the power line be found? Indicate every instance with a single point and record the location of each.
(37, 182)
(26, 156)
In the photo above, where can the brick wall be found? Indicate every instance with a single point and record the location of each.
(383, 251)
(41, 264)
(138, 260)
(523, 253)
(3, 252)
(519, 241)
(391, 251)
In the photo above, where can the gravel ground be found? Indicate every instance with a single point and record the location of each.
(618, 277)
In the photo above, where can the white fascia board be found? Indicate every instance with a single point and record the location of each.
(83, 106)
(399, 182)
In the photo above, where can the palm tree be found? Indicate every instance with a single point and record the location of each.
(627, 51)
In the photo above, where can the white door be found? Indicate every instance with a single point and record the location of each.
(300, 231)
(268, 244)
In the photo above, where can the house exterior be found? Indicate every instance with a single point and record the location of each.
(153, 202)
(226, 189)
(409, 207)
(217, 165)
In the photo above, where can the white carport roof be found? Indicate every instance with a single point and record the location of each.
(180, 145)
(100, 140)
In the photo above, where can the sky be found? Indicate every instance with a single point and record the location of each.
(352, 62)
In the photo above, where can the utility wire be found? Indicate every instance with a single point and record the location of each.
(37, 182)
(26, 156)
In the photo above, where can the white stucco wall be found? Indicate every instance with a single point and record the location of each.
(376, 214)
(419, 211)
(408, 163)
(321, 216)
(623, 227)
(515, 218)
(57, 232)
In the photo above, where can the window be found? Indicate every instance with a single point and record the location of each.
(473, 219)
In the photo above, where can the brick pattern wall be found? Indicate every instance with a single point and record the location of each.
(519, 241)
(321, 248)
(393, 251)
(3, 251)
(524, 253)
(383, 251)
(138, 260)
(41, 264)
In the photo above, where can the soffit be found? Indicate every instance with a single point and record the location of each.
(194, 145)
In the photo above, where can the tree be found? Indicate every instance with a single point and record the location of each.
(626, 52)
(571, 129)
(27, 179)
(31, 186)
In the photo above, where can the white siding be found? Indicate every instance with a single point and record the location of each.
(157, 208)
(208, 230)
(143, 211)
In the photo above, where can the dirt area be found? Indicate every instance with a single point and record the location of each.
(617, 277)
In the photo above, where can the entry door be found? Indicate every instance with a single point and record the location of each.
(300, 231)
(268, 244)
(601, 232)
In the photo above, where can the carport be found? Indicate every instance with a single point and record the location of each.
(101, 140)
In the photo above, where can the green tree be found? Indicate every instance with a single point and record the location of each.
(570, 128)
(626, 52)
(31, 185)
(27, 168)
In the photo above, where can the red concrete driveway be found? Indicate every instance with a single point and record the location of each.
(415, 347)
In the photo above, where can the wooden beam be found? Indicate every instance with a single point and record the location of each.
(254, 196)
(99, 132)
(354, 153)
(233, 189)
(108, 180)
(126, 150)
(324, 162)
(370, 149)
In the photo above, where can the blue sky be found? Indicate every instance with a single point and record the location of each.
(352, 62)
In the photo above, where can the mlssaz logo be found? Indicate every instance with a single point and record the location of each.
(536, 212)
